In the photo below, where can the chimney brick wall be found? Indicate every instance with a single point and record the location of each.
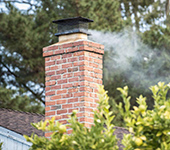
(72, 72)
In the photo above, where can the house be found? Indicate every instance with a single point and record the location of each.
(13, 125)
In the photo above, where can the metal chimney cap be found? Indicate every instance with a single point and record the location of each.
(85, 20)
(72, 25)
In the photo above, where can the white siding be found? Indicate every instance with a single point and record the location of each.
(12, 140)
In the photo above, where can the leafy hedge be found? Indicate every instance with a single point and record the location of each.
(149, 128)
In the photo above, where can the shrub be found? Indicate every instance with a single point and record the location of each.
(98, 137)
(150, 128)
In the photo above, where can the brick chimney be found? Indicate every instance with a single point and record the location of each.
(73, 68)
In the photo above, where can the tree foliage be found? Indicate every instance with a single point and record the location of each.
(149, 128)
(98, 137)
(23, 34)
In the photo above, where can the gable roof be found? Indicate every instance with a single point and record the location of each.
(20, 122)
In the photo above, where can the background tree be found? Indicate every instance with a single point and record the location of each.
(23, 33)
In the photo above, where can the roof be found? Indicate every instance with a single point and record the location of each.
(20, 122)
(119, 131)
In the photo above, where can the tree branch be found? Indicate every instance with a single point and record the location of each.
(25, 86)
(16, 1)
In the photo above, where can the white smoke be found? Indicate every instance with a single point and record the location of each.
(139, 62)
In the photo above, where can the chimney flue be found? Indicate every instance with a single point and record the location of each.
(72, 28)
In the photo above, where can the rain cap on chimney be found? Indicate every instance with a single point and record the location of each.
(77, 26)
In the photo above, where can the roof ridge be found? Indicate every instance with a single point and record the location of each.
(20, 111)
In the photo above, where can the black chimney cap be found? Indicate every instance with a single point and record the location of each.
(72, 25)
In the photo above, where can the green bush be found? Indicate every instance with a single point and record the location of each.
(98, 137)
(150, 128)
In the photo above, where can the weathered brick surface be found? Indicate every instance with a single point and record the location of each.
(73, 71)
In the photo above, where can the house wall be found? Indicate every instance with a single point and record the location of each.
(12, 140)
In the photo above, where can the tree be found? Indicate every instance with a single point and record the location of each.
(99, 137)
(149, 128)
(23, 34)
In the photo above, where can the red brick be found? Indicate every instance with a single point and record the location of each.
(72, 59)
(86, 68)
(72, 49)
(48, 134)
(67, 106)
(67, 55)
(61, 71)
(78, 104)
(58, 117)
(61, 91)
(56, 87)
(93, 105)
(73, 69)
(47, 89)
(56, 77)
(86, 78)
(73, 79)
(54, 67)
(47, 78)
(62, 111)
(56, 97)
(47, 59)
(80, 94)
(71, 100)
(63, 101)
(50, 113)
(56, 57)
(61, 61)
(99, 61)
(63, 121)
(80, 43)
(62, 81)
(88, 99)
(68, 85)
(84, 119)
(67, 95)
(73, 90)
(93, 65)
(71, 110)
(79, 53)
(50, 83)
(86, 89)
(65, 116)
(47, 68)
(50, 73)
(67, 45)
(69, 131)
(88, 109)
(47, 54)
(66, 65)
(58, 51)
(80, 63)
(80, 114)
(68, 75)
(47, 108)
(49, 93)
(49, 63)
(98, 71)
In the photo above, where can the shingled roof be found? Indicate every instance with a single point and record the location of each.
(20, 122)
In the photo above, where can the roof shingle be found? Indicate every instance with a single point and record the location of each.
(20, 122)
